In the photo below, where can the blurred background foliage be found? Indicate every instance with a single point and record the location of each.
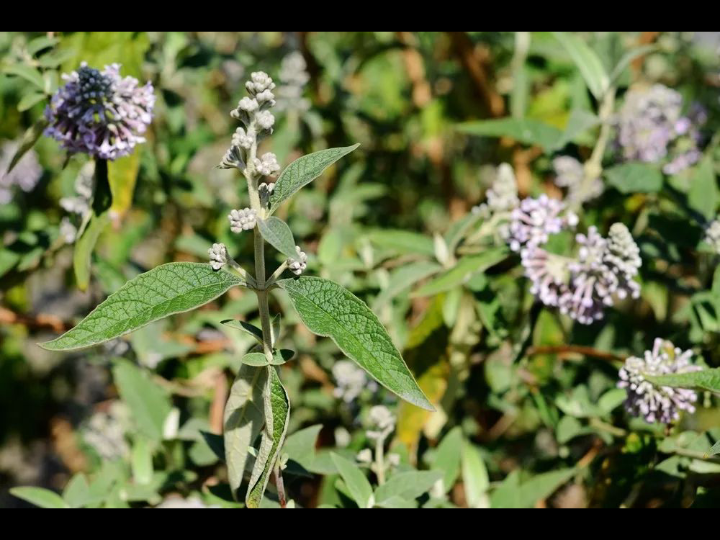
(521, 421)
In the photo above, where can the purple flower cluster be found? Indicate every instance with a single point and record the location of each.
(651, 128)
(583, 286)
(657, 403)
(99, 113)
(534, 220)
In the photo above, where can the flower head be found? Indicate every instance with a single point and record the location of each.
(218, 256)
(569, 173)
(350, 380)
(381, 421)
(298, 265)
(100, 113)
(294, 77)
(267, 165)
(536, 219)
(242, 220)
(652, 402)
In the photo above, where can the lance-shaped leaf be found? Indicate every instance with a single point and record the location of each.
(246, 327)
(44, 498)
(407, 485)
(165, 290)
(304, 170)
(276, 232)
(244, 420)
(29, 139)
(587, 62)
(707, 379)
(355, 481)
(330, 310)
(277, 414)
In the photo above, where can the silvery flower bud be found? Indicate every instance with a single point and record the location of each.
(297, 266)
(265, 190)
(243, 139)
(267, 165)
(242, 220)
(266, 98)
(218, 256)
(249, 105)
(265, 120)
(260, 81)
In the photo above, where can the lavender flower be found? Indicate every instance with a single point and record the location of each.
(582, 287)
(569, 174)
(24, 175)
(536, 219)
(657, 403)
(100, 113)
(651, 128)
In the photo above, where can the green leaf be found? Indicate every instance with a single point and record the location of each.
(629, 57)
(215, 443)
(355, 481)
(579, 122)
(166, 290)
(122, 175)
(462, 271)
(704, 194)
(475, 476)
(403, 241)
(255, 359)
(29, 100)
(715, 450)
(277, 414)
(407, 485)
(403, 278)
(448, 455)
(141, 461)
(77, 492)
(330, 310)
(635, 178)
(304, 170)
(149, 403)
(44, 498)
(84, 246)
(276, 232)
(540, 487)
(29, 139)
(300, 446)
(246, 327)
(707, 379)
(524, 130)
(244, 421)
(26, 72)
(40, 43)
(259, 359)
(587, 62)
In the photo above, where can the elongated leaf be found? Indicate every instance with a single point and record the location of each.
(246, 327)
(122, 175)
(165, 290)
(330, 310)
(524, 130)
(300, 446)
(448, 456)
(149, 403)
(475, 476)
(304, 170)
(403, 241)
(44, 498)
(26, 72)
(704, 194)
(403, 278)
(579, 122)
(142, 466)
(82, 255)
(277, 414)
(29, 100)
(29, 139)
(540, 487)
(587, 62)
(77, 492)
(276, 232)
(407, 485)
(707, 379)
(462, 271)
(715, 450)
(244, 420)
(629, 57)
(215, 443)
(40, 43)
(635, 178)
(355, 481)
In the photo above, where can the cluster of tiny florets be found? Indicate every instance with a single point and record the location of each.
(293, 76)
(569, 174)
(242, 220)
(218, 256)
(267, 164)
(652, 402)
(24, 175)
(652, 128)
(257, 121)
(350, 380)
(502, 199)
(298, 265)
(381, 422)
(534, 220)
(100, 113)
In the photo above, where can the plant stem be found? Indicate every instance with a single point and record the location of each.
(380, 460)
(280, 485)
(593, 166)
